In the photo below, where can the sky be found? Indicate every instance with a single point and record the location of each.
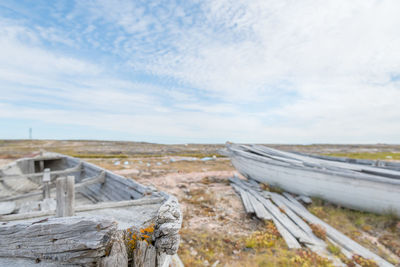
(209, 71)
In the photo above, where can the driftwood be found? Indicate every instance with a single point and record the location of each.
(76, 240)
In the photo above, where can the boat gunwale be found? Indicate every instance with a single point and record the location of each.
(346, 173)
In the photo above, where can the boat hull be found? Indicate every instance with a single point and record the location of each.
(343, 190)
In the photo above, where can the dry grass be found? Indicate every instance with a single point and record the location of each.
(215, 227)
(368, 155)
(357, 224)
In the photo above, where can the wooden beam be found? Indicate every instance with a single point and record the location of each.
(83, 208)
(119, 204)
(335, 235)
(101, 178)
(65, 188)
(53, 174)
(75, 240)
(85, 182)
(46, 186)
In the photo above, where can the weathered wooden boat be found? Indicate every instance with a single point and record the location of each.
(368, 187)
(59, 210)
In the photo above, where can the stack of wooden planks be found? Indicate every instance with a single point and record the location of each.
(293, 222)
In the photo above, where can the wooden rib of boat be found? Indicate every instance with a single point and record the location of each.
(357, 185)
(59, 210)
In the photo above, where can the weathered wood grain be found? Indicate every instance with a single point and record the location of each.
(7, 207)
(53, 174)
(118, 255)
(245, 200)
(97, 179)
(168, 224)
(82, 208)
(77, 240)
(46, 183)
(144, 255)
(260, 210)
(337, 236)
(65, 196)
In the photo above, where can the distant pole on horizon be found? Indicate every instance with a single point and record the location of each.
(30, 133)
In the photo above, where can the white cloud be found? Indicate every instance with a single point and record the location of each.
(258, 71)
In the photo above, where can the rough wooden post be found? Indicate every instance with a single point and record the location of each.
(46, 183)
(65, 187)
(41, 165)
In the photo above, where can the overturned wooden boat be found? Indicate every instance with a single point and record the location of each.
(59, 210)
(373, 187)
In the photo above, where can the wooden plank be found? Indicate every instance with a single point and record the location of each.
(295, 230)
(65, 188)
(345, 252)
(100, 178)
(293, 200)
(318, 246)
(76, 240)
(246, 201)
(259, 209)
(337, 236)
(45, 181)
(118, 255)
(83, 208)
(119, 204)
(53, 174)
(144, 254)
(291, 242)
(279, 201)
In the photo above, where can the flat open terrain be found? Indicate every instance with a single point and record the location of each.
(216, 231)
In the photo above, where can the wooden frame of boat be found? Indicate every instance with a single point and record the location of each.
(364, 186)
(56, 209)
